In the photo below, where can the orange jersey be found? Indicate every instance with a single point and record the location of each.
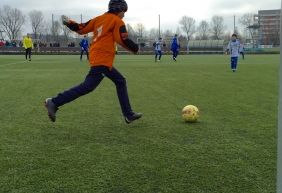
(107, 29)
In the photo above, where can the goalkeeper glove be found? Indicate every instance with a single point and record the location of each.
(65, 19)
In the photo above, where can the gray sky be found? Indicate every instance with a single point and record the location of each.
(147, 11)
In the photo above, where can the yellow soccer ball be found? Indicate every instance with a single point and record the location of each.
(190, 113)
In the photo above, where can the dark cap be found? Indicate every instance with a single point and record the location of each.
(116, 6)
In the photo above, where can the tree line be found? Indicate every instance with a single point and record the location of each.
(12, 21)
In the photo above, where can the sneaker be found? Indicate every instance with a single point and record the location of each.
(51, 108)
(133, 117)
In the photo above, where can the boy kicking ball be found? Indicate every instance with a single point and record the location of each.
(107, 29)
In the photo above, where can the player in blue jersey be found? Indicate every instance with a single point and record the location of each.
(175, 47)
(233, 49)
(158, 49)
(242, 50)
(84, 47)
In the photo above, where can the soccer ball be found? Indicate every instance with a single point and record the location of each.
(190, 113)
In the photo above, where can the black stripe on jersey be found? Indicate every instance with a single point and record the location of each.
(127, 42)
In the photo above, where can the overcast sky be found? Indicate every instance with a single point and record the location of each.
(147, 11)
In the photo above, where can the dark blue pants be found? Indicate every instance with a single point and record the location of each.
(158, 53)
(81, 53)
(92, 80)
(243, 55)
(174, 53)
(234, 62)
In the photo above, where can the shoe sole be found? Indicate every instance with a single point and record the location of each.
(53, 119)
(128, 122)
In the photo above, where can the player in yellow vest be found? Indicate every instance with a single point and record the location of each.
(28, 45)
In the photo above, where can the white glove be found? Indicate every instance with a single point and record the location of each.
(65, 19)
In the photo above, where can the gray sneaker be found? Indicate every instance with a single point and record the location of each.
(51, 108)
(133, 117)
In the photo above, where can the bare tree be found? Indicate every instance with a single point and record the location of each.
(56, 30)
(1, 33)
(11, 21)
(203, 30)
(131, 33)
(47, 31)
(67, 33)
(167, 34)
(153, 33)
(140, 28)
(36, 19)
(188, 25)
(217, 27)
(247, 20)
(178, 31)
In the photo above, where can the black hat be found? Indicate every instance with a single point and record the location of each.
(116, 6)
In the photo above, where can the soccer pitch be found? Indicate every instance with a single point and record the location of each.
(231, 149)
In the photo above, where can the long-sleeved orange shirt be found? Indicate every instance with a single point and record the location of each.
(107, 29)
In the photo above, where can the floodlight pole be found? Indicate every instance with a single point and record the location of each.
(159, 25)
(279, 140)
(53, 36)
(234, 24)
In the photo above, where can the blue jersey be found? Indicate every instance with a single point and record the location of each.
(175, 44)
(84, 44)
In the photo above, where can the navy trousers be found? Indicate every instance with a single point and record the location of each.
(158, 53)
(81, 53)
(174, 53)
(92, 80)
(234, 62)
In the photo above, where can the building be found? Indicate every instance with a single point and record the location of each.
(269, 27)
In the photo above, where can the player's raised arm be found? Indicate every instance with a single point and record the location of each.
(82, 28)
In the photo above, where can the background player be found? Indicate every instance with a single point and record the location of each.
(233, 48)
(175, 47)
(158, 49)
(84, 47)
(28, 46)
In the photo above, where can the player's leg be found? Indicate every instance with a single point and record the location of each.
(26, 53)
(87, 53)
(232, 63)
(122, 93)
(92, 80)
(81, 53)
(160, 54)
(235, 63)
(176, 53)
(156, 55)
(243, 55)
(29, 53)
